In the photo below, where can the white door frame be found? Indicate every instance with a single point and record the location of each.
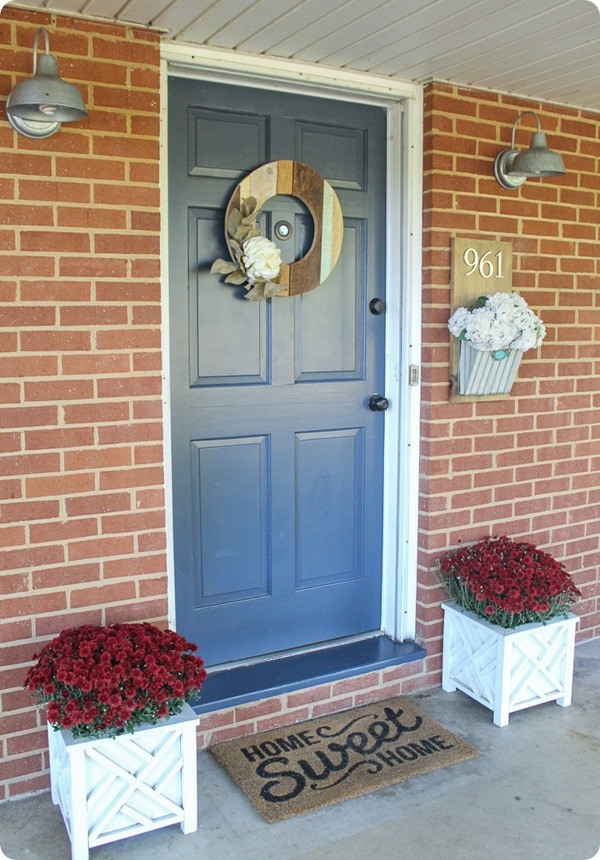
(404, 106)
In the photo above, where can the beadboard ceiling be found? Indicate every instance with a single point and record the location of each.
(540, 49)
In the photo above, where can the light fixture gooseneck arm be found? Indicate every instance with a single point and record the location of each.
(518, 119)
(36, 42)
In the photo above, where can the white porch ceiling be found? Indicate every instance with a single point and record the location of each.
(540, 49)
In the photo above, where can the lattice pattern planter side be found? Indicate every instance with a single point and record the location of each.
(111, 788)
(508, 670)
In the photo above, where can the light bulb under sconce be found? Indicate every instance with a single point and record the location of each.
(37, 106)
(513, 167)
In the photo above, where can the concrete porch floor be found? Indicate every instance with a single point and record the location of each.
(533, 794)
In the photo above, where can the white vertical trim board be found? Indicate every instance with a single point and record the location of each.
(403, 102)
(166, 339)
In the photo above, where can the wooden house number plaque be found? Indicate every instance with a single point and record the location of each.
(479, 267)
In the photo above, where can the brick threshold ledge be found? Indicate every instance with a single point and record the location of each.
(272, 677)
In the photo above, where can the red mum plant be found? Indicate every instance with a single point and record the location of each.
(105, 681)
(507, 582)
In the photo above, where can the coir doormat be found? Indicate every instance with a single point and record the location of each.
(300, 768)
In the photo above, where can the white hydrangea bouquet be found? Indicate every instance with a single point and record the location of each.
(500, 321)
(256, 259)
(493, 333)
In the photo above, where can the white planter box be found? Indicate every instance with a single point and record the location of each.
(111, 788)
(482, 372)
(508, 670)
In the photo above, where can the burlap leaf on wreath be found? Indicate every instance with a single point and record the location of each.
(263, 290)
(241, 227)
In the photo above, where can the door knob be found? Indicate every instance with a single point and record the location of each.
(377, 403)
(376, 306)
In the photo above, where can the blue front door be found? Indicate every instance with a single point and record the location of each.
(277, 458)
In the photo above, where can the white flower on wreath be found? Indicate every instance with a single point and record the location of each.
(261, 259)
(498, 321)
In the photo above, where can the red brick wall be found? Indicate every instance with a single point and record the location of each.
(528, 466)
(81, 462)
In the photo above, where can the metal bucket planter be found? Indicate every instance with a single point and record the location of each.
(111, 788)
(508, 670)
(486, 372)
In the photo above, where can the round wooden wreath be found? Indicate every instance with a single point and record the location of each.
(301, 181)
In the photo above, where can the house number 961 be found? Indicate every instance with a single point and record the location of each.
(487, 265)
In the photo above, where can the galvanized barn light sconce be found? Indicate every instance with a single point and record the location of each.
(38, 106)
(512, 167)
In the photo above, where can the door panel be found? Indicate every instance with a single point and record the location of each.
(329, 504)
(330, 345)
(338, 153)
(235, 354)
(224, 143)
(277, 461)
(230, 486)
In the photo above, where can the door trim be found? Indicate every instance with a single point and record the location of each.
(403, 102)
